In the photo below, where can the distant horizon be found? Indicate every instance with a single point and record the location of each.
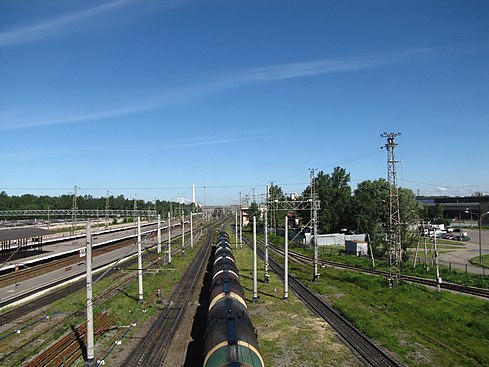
(147, 98)
(189, 201)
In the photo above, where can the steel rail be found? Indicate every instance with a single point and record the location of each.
(152, 350)
(368, 351)
(480, 292)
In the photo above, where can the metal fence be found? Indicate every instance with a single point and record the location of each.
(453, 266)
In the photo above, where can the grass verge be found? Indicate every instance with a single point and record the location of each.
(288, 333)
(419, 325)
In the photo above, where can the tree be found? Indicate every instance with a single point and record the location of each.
(254, 211)
(410, 212)
(370, 212)
(276, 209)
(334, 194)
(438, 213)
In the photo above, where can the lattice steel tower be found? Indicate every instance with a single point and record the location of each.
(394, 225)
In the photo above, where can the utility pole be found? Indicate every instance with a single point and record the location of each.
(417, 245)
(240, 223)
(140, 263)
(191, 231)
(90, 340)
(107, 206)
(236, 228)
(255, 277)
(74, 208)
(267, 276)
(273, 212)
(286, 259)
(394, 225)
(182, 221)
(158, 245)
(438, 278)
(169, 237)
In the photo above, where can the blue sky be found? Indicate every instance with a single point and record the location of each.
(148, 97)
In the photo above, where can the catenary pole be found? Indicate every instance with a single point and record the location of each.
(183, 234)
(140, 263)
(191, 231)
(438, 278)
(158, 245)
(90, 340)
(240, 223)
(255, 278)
(236, 228)
(286, 258)
(267, 276)
(169, 237)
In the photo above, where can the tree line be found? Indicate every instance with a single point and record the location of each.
(88, 202)
(363, 210)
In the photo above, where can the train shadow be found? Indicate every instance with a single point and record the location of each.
(195, 350)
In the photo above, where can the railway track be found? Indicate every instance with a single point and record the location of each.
(67, 350)
(304, 259)
(369, 352)
(11, 316)
(153, 348)
(40, 269)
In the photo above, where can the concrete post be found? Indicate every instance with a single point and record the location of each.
(191, 231)
(286, 259)
(169, 238)
(140, 263)
(90, 340)
(183, 234)
(158, 245)
(255, 278)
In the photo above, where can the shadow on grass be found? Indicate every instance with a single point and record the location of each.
(128, 295)
(262, 293)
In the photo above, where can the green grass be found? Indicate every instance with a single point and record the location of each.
(288, 333)
(452, 329)
(336, 253)
(124, 305)
(485, 261)
(422, 327)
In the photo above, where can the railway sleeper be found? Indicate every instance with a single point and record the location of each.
(67, 350)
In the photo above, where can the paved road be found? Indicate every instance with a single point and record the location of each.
(460, 258)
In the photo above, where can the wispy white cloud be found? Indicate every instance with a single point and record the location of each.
(30, 155)
(320, 67)
(69, 23)
(230, 81)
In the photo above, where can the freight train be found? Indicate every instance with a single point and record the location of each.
(230, 339)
